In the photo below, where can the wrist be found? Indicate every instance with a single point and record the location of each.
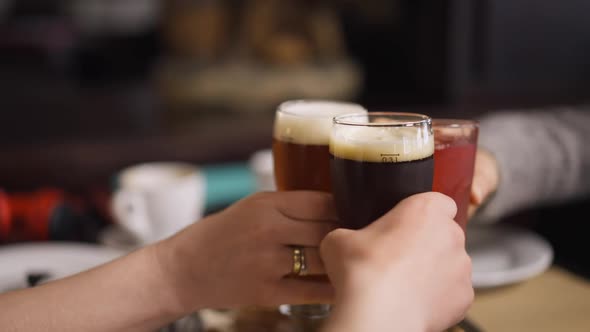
(173, 281)
(366, 308)
(360, 318)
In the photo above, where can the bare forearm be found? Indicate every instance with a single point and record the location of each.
(128, 294)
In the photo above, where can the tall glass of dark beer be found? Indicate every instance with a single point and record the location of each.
(378, 159)
(302, 160)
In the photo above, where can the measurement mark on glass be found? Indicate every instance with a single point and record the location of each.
(389, 157)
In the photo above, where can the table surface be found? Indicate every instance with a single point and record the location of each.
(556, 300)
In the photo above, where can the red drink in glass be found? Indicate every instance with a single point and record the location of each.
(454, 161)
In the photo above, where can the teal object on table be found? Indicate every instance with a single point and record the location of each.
(227, 183)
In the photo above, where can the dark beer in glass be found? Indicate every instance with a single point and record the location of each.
(378, 159)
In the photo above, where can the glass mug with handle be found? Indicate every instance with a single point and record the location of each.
(377, 160)
(301, 159)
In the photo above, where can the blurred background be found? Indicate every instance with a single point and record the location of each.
(88, 87)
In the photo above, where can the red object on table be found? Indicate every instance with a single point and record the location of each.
(27, 216)
(4, 215)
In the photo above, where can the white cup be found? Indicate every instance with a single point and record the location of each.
(261, 165)
(155, 200)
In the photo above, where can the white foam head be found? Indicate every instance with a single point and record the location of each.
(394, 143)
(310, 122)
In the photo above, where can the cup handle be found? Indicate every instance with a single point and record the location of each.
(130, 211)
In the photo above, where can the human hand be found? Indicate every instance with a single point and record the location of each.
(241, 256)
(407, 271)
(486, 177)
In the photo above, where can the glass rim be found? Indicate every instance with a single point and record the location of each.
(454, 123)
(420, 119)
(282, 107)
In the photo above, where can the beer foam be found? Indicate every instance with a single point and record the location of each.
(381, 144)
(310, 122)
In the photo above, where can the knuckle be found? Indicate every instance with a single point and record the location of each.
(467, 299)
(275, 266)
(319, 201)
(468, 291)
(264, 229)
(265, 196)
(325, 229)
(468, 264)
(357, 252)
(321, 197)
(468, 269)
(434, 202)
(259, 199)
(470, 296)
(336, 241)
(258, 196)
(425, 202)
(271, 230)
(334, 237)
(329, 242)
(457, 234)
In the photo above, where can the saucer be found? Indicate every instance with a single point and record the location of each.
(503, 255)
(54, 259)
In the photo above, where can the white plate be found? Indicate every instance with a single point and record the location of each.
(57, 259)
(503, 255)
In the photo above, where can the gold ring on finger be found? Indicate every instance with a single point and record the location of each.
(299, 264)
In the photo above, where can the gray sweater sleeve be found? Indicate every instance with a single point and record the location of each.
(543, 156)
